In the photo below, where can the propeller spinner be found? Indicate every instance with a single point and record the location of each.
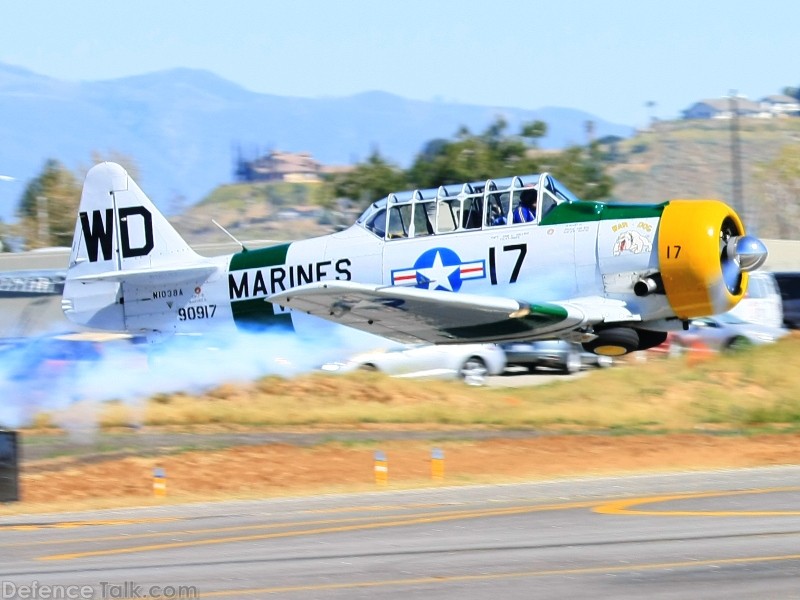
(747, 251)
(740, 253)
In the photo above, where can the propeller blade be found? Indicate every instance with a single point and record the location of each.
(731, 274)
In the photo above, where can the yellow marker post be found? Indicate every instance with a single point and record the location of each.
(159, 482)
(437, 464)
(381, 468)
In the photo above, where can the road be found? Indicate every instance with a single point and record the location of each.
(722, 534)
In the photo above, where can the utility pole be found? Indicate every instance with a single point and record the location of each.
(651, 119)
(590, 128)
(2, 243)
(43, 220)
(736, 157)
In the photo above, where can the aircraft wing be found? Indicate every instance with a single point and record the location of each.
(412, 315)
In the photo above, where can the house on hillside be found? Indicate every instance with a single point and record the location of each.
(777, 105)
(723, 108)
(781, 105)
(294, 167)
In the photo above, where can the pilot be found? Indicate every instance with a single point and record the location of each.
(498, 218)
(526, 209)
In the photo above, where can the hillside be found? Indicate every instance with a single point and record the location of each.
(674, 159)
(693, 159)
(260, 211)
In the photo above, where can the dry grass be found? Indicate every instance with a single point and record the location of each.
(756, 388)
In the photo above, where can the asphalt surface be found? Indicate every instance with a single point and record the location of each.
(722, 534)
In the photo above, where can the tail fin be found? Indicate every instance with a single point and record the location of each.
(120, 229)
(122, 245)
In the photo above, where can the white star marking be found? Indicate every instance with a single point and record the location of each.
(438, 275)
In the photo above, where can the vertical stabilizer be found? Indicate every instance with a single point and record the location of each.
(119, 228)
(121, 239)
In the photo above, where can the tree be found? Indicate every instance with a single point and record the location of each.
(491, 154)
(369, 181)
(476, 157)
(122, 159)
(534, 130)
(3, 243)
(581, 170)
(48, 207)
(794, 92)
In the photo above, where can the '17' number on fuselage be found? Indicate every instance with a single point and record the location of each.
(522, 250)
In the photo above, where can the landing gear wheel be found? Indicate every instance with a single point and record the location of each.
(614, 341)
(650, 339)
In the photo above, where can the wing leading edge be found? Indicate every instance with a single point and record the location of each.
(418, 315)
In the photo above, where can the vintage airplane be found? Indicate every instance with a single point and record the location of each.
(445, 265)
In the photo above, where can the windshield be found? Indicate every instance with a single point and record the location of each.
(560, 190)
(372, 209)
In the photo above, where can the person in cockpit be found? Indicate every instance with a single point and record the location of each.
(525, 212)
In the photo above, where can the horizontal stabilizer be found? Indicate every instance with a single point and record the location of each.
(155, 275)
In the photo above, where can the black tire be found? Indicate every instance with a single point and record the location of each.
(572, 364)
(473, 371)
(676, 349)
(650, 339)
(738, 344)
(614, 341)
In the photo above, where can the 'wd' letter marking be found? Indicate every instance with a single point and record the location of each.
(99, 232)
(125, 238)
(98, 235)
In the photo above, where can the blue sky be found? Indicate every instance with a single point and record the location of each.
(608, 58)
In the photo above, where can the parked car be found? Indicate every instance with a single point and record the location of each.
(762, 301)
(789, 286)
(722, 333)
(468, 362)
(567, 357)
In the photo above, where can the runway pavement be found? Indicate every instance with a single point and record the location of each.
(722, 534)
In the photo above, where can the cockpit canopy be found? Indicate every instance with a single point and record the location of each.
(508, 202)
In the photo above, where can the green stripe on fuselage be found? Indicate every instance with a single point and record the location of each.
(258, 312)
(263, 257)
(577, 212)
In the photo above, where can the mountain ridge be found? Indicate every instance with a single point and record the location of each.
(183, 126)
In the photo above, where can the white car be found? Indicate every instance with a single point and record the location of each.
(723, 333)
(468, 362)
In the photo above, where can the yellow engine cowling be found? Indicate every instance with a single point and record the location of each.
(691, 254)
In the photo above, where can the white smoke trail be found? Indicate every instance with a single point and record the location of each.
(38, 377)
